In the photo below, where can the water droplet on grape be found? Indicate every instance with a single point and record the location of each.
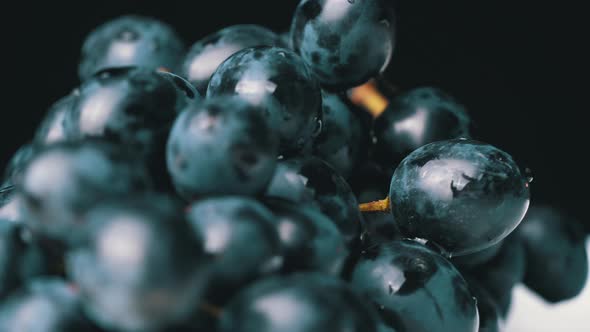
(529, 175)
(421, 241)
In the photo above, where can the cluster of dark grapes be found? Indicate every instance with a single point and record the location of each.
(239, 185)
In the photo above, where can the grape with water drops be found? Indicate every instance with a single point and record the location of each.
(279, 81)
(463, 195)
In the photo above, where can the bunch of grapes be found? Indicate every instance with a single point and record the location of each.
(267, 182)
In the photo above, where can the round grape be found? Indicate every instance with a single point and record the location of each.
(414, 119)
(344, 42)
(131, 40)
(277, 80)
(138, 264)
(222, 146)
(462, 194)
(414, 289)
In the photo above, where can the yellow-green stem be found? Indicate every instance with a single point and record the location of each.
(383, 205)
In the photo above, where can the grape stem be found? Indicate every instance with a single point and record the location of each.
(369, 97)
(383, 205)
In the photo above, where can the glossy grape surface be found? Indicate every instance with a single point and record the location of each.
(207, 54)
(414, 119)
(298, 303)
(138, 264)
(310, 241)
(462, 194)
(277, 80)
(344, 42)
(222, 146)
(131, 106)
(241, 236)
(131, 40)
(313, 182)
(134, 107)
(415, 289)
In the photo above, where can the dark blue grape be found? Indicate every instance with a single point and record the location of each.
(311, 181)
(51, 129)
(344, 42)
(310, 241)
(462, 194)
(298, 303)
(414, 289)
(344, 138)
(277, 80)
(138, 264)
(241, 235)
(133, 107)
(222, 146)
(556, 261)
(208, 53)
(414, 119)
(45, 305)
(64, 179)
(131, 41)
(500, 274)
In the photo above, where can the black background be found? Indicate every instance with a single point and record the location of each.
(513, 64)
